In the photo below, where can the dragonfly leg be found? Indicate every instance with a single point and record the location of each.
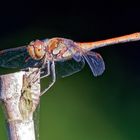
(46, 73)
(34, 79)
(42, 75)
(52, 69)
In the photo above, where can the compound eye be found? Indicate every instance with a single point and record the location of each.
(39, 48)
(36, 49)
(31, 51)
(39, 51)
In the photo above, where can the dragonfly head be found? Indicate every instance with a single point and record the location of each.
(36, 49)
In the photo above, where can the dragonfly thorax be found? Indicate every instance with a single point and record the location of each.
(36, 49)
(57, 49)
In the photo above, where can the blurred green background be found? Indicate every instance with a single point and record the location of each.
(82, 107)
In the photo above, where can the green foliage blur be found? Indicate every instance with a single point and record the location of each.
(83, 107)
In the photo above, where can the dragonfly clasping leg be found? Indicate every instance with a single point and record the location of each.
(34, 79)
(48, 71)
(53, 74)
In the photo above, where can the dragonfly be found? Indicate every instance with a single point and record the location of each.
(60, 56)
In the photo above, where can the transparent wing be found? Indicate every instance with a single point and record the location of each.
(68, 67)
(16, 58)
(95, 62)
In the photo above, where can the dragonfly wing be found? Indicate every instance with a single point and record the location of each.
(16, 58)
(69, 67)
(95, 62)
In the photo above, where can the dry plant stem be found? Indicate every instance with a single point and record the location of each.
(20, 94)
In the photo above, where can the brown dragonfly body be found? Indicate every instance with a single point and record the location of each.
(49, 53)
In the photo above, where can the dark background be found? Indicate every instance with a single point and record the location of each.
(81, 106)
